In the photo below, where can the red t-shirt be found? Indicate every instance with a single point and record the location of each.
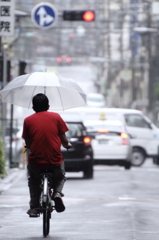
(43, 130)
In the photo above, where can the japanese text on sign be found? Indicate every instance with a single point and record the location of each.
(6, 17)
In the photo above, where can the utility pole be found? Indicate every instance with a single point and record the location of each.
(132, 47)
(121, 52)
(108, 48)
(4, 78)
(150, 75)
(1, 56)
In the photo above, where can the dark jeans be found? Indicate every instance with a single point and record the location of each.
(34, 180)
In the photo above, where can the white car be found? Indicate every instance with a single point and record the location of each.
(144, 134)
(95, 100)
(110, 142)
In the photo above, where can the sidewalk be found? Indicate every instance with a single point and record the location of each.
(12, 174)
(8, 180)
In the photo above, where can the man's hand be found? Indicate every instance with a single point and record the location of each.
(65, 142)
(27, 142)
(69, 145)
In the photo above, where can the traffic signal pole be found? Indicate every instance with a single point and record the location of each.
(4, 84)
(4, 111)
(4, 80)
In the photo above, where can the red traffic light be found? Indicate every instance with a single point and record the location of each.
(79, 15)
(89, 16)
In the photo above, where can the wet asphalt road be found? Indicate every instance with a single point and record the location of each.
(115, 205)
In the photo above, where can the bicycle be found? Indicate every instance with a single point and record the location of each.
(46, 203)
(46, 206)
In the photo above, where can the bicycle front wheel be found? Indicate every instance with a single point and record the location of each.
(46, 221)
(46, 215)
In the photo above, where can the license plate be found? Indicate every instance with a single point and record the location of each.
(102, 141)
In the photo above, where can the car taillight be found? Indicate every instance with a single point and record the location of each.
(87, 140)
(124, 137)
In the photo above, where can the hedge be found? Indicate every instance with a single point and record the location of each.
(2, 160)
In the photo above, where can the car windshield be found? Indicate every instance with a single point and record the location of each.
(95, 99)
(109, 127)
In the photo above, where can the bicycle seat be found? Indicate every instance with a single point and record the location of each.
(49, 175)
(46, 172)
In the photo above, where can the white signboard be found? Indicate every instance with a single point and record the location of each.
(6, 18)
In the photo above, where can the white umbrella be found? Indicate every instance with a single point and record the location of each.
(63, 93)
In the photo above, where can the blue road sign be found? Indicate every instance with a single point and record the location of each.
(44, 15)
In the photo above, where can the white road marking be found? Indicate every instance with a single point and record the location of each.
(126, 198)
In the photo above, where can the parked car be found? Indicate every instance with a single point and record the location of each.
(95, 100)
(144, 133)
(111, 142)
(80, 155)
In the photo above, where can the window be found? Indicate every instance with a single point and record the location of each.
(97, 126)
(135, 120)
(75, 130)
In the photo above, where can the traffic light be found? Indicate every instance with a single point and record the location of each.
(79, 15)
(22, 66)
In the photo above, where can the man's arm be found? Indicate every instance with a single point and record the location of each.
(27, 142)
(64, 141)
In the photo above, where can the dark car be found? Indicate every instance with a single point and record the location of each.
(80, 155)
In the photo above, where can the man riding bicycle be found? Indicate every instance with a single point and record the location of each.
(44, 132)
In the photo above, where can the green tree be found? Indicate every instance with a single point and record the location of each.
(156, 91)
(2, 159)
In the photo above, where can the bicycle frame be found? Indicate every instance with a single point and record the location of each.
(45, 188)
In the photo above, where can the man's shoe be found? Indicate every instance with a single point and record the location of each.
(59, 205)
(33, 212)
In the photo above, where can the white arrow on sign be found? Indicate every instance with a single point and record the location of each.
(44, 17)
